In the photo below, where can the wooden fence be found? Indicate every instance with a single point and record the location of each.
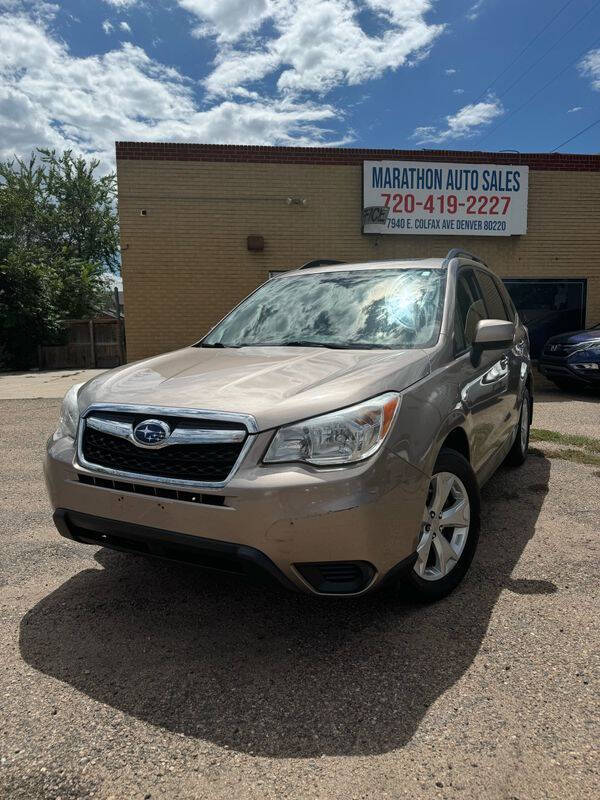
(91, 343)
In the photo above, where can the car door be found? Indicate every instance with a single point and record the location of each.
(483, 376)
(509, 363)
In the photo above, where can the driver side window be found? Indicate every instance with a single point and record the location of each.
(470, 308)
(493, 299)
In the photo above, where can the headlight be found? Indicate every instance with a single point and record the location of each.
(579, 359)
(342, 437)
(69, 414)
(594, 350)
(589, 347)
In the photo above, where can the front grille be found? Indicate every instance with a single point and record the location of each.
(203, 463)
(559, 350)
(153, 491)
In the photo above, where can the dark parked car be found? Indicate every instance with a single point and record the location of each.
(573, 359)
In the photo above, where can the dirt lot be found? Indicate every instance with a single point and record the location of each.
(575, 413)
(125, 678)
(44, 383)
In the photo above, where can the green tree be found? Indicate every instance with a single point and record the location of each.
(27, 311)
(58, 239)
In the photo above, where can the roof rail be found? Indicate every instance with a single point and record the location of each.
(320, 262)
(456, 252)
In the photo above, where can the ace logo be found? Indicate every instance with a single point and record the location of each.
(375, 215)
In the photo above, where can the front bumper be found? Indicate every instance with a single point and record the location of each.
(562, 369)
(284, 521)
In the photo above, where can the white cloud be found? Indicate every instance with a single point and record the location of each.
(38, 10)
(450, 71)
(227, 19)
(575, 109)
(475, 10)
(458, 91)
(122, 3)
(314, 46)
(589, 66)
(51, 98)
(466, 122)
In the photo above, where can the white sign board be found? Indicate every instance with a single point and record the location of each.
(434, 198)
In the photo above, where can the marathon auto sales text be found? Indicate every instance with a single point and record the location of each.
(413, 197)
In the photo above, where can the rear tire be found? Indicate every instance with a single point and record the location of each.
(518, 452)
(449, 532)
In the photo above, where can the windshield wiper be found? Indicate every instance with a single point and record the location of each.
(303, 343)
(291, 343)
(312, 343)
(215, 344)
(361, 346)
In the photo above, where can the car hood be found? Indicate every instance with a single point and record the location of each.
(276, 385)
(576, 337)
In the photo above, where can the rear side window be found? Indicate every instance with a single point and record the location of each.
(491, 295)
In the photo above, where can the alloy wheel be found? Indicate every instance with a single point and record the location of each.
(445, 527)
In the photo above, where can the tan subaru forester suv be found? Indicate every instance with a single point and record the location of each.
(331, 433)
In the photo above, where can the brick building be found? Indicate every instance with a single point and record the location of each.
(187, 212)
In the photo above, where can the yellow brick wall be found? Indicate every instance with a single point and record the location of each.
(186, 263)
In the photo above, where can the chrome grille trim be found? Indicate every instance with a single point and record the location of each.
(172, 411)
(81, 465)
(178, 436)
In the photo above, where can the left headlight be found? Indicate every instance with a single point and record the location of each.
(343, 437)
(69, 414)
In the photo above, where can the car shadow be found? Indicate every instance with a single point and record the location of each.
(586, 394)
(278, 674)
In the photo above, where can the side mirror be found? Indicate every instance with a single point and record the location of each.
(493, 334)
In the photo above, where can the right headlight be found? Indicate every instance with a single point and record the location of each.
(343, 437)
(593, 350)
(69, 414)
(592, 347)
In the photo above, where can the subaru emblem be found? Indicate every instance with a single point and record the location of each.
(151, 432)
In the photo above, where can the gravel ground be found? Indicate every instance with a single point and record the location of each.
(574, 413)
(127, 678)
(44, 383)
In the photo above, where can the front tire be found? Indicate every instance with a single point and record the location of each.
(449, 531)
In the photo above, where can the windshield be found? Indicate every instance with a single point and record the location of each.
(388, 308)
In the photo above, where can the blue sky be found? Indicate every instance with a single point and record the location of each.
(359, 73)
